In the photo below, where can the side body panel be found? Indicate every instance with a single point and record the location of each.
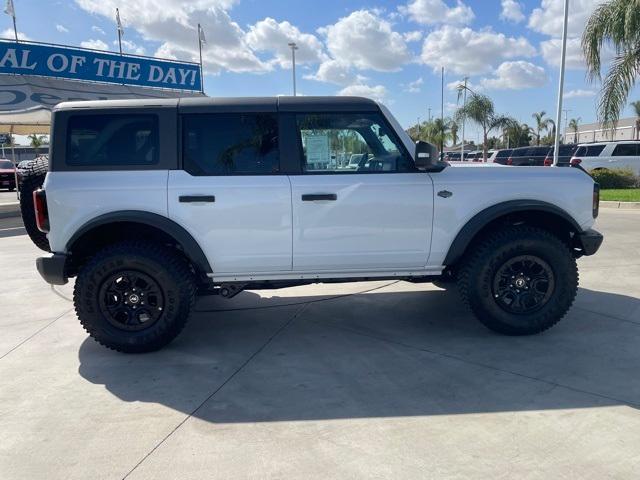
(475, 189)
(75, 198)
(248, 226)
(377, 221)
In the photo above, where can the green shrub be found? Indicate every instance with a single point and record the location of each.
(615, 178)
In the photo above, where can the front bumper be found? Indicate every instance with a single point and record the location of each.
(589, 241)
(53, 268)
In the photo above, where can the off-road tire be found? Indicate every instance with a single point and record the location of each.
(477, 276)
(167, 268)
(32, 179)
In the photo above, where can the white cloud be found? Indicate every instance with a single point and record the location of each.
(430, 12)
(415, 86)
(548, 18)
(516, 76)
(414, 36)
(97, 29)
(270, 36)
(551, 50)
(62, 28)
(173, 23)
(94, 44)
(366, 41)
(377, 92)
(130, 47)
(467, 51)
(9, 33)
(336, 72)
(512, 11)
(579, 93)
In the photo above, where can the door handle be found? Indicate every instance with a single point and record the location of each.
(316, 197)
(196, 198)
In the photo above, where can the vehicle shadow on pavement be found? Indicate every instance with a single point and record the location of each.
(380, 354)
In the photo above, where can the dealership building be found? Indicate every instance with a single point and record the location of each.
(625, 129)
(34, 77)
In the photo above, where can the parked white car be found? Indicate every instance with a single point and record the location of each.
(593, 156)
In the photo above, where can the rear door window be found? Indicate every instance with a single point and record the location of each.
(230, 144)
(625, 150)
(112, 140)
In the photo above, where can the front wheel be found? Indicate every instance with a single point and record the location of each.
(519, 280)
(134, 297)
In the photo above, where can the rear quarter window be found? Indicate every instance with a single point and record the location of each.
(589, 151)
(112, 140)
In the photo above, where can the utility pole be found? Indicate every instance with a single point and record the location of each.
(293, 47)
(563, 56)
(429, 117)
(418, 127)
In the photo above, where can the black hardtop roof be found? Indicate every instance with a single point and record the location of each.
(235, 104)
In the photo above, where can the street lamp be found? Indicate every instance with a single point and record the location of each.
(293, 47)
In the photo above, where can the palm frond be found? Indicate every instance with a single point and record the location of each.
(620, 79)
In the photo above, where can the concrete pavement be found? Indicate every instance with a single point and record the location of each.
(378, 379)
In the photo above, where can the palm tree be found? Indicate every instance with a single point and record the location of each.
(552, 135)
(481, 110)
(453, 132)
(615, 23)
(542, 123)
(36, 141)
(436, 131)
(573, 125)
(636, 110)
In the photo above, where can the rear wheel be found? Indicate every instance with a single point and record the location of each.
(519, 280)
(32, 179)
(134, 297)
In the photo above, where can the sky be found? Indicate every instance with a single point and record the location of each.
(392, 51)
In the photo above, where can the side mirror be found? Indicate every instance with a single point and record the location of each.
(427, 157)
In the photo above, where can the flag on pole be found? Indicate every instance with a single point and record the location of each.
(9, 10)
(119, 23)
(201, 36)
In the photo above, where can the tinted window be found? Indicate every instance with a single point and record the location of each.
(625, 150)
(97, 140)
(227, 144)
(350, 143)
(503, 154)
(589, 151)
(6, 164)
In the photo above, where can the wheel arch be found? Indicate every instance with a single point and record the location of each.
(535, 212)
(127, 224)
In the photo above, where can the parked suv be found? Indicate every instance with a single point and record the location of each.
(149, 204)
(532, 156)
(594, 156)
(500, 156)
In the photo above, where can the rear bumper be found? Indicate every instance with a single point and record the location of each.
(53, 268)
(589, 241)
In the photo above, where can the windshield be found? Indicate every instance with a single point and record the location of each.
(6, 164)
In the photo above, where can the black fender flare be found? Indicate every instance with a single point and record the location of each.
(486, 216)
(190, 246)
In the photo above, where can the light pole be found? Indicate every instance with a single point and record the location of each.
(293, 47)
(563, 56)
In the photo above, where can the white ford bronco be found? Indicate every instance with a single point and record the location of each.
(151, 203)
